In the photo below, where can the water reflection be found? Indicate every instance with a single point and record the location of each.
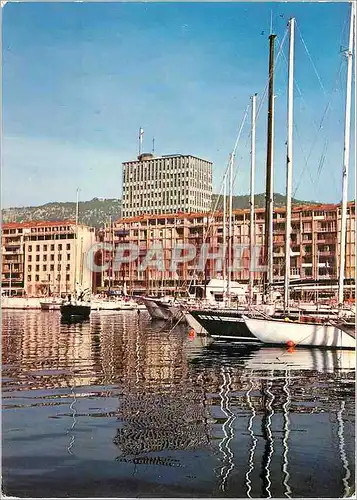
(121, 397)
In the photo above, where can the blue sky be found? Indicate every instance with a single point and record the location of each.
(79, 79)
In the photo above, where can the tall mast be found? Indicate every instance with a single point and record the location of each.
(289, 164)
(224, 225)
(346, 159)
(230, 214)
(76, 243)
(268, 239)
(252, 189)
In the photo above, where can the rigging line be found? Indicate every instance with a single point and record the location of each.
(262, 99)
(305, 160)
(324, 115)
(328, 107)
(312, 62)
(322, 161)
(224, 177)
(318, 127)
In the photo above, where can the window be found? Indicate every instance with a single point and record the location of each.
(68, 246)
(68, 256)
(60, 247)
(52, 248)
(45, 248)
(45, 258)
(68, 267)
(44, 267)
(52, 257)
(67, 277)
(60, 257)
(52, 267)
(59, 267)
(37, 278)
(37, 248)
(29, 277)
(30, 258)
(30, 248)
(37, 258)
(37, 267)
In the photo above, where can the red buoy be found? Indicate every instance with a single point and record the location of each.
(290, 343)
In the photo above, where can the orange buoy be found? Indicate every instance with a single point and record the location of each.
(191, 333)
(291, 349)
(290, 343)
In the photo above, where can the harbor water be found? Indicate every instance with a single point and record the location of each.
(121, 406)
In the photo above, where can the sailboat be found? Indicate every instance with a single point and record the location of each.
(228, 324)
(314, 332)
(77, 307)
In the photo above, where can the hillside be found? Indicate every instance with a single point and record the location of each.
(242, 201)
(96, 212)
(93, 213)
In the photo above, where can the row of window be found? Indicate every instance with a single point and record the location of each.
(44, 247)
(44, 257)
(37, 277)
(44, 267)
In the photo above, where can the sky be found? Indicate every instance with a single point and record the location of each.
(80, 79)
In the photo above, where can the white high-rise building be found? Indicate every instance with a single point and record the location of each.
(166, 184)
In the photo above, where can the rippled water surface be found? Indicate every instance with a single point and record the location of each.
(121, 406)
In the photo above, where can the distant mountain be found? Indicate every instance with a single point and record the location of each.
(96, 212)
(242, 201)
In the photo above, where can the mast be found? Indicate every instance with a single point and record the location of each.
(76, 244)
(230, 213)
(224, 225)
(346, 159)
(289, 164)
(268, 239)
(252, 189)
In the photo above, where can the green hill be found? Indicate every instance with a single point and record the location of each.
(96, 212)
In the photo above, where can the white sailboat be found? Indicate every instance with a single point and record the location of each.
(311, 333)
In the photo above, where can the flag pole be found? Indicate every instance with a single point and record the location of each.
(141, 133)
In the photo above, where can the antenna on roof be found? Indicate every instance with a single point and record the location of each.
(153, 145)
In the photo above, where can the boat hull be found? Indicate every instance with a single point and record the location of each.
(171, 312)
(193, 323)
(50, 306)
(273, 331)
(154, 310)
(228, 326)
(69, 311)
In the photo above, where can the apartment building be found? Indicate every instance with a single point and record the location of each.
(40, 258)
(12, 246)
(314, 249)
(166, 184)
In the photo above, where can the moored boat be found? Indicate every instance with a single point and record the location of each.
(309, 333)
(224, 325)
(76, 310)
(50, 304)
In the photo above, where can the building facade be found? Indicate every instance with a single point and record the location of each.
(42, 258)
(167, 184)
(314, 251)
